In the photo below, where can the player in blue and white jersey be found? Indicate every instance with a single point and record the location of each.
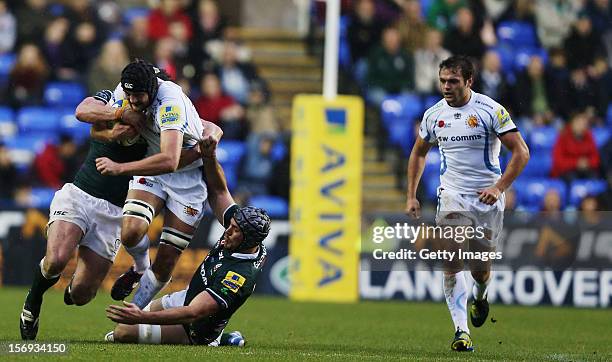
(469, 129)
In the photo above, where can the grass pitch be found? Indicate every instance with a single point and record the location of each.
(277, 329)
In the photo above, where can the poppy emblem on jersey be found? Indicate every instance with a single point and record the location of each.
(144, 181)
(233, 281)
(191, 211)
(441, 123)
(472, 121)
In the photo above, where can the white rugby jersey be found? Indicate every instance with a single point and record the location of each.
(171, 110)
(468, 142)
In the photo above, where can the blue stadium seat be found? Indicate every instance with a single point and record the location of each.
(230, 152)
(279, 151)
(37, 120)
(42, 197)
(401, 134)
(431, 174)
(344, 51)
(539, 165)
(507, 58)
(601, 135)
(530, 192)
(8, 126)
(405, 107)
(23, 149)
(6, 64)
(523, 55)
(580, 189)
(277, 207)
(517, 33)
(136, 12)
(64, 94)
(543, 138)
(430, 100)
(609, 115)
(425, 6)
(72, 126)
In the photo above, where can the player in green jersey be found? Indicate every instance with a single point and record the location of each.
(219, 286)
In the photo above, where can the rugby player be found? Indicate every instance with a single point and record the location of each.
(469, 129)
(219, 286)
(172, 124)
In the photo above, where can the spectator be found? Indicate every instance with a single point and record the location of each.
(164, 56)
(59, 49)
(442, 12)
(215, 106)
(600, 13)
(554, 20)
(364, 29)
(8, 174)
(390, 68)
(8, 29)
(106, 69)
(520, 10)
(260, 114)
(209, 27)
(464, 38)
(28, 76)
(33, 16)
(257, 165)
(161, 18)
(490, 80)
(426, 62)
(558, 83)
(583, 44)
(236, 76)
(575, 154)
(56, 165)
(532, 98)
(85, 46)
(83, 11)
(601, 81)
(552, 202)
(137, 39)
(412, 27)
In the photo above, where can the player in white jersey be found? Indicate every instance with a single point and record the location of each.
(159, 181)
(469, 129)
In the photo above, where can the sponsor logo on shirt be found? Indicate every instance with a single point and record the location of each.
(502, 117)
(461, 138)
(233, 281)
(170, 115)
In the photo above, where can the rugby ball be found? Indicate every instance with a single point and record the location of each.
(122, 103)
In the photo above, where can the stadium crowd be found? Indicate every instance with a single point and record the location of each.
(55, 53)
(547, 62)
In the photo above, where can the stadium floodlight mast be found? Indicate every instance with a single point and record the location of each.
(332, 38)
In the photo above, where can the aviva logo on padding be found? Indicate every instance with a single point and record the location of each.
(335, 118)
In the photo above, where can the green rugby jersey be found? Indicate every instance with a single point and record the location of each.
(111, 188)
(230, 279)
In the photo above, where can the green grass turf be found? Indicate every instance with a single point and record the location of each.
(277, 329)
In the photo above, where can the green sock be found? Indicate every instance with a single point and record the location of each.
(39, 287)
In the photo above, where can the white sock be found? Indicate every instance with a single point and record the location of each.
(140, 253)
(455, 292)
(148, 287)
(480, 289)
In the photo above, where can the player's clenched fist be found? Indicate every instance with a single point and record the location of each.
(107, 167)
(413, 208)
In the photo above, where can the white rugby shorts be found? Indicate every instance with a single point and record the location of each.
(471, 212)
(185, 192)
(99, 219)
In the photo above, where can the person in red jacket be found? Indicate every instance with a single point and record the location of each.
(575, 154)
(164, 21)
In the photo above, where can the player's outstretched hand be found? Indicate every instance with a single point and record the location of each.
(107, 167)
(134, 118)
(490, 195)
(208, 147)
(130, 314)
(413, 208)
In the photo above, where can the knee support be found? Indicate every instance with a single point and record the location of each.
(149, 334)
(139, 209)
(175, 238)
